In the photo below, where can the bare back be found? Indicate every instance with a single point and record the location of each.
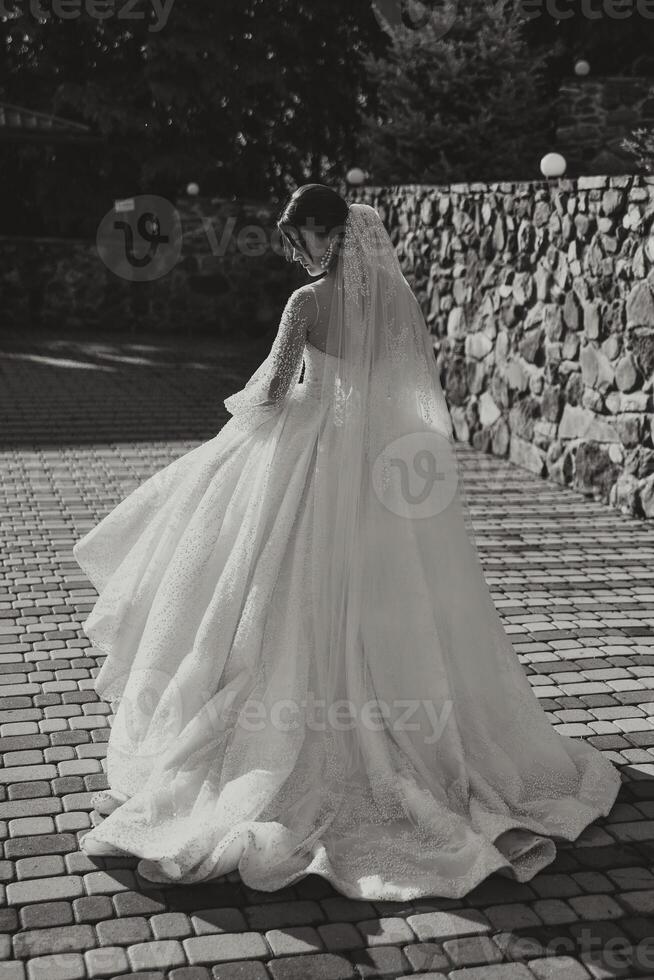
(317, 333)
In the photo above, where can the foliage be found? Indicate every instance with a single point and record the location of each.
(640, 143)
(246, 97)
(467, 104)
(615, 38)
(251, 97)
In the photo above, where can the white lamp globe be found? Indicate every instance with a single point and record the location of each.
(582, 67)
(355, 176)
(553, 165)
(192, 189)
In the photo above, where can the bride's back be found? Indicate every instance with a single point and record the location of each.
(324, 292)
(318, 333)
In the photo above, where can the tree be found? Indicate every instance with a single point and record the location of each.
(615, 38)
(640, 144)
(247, 97)
(461, 97)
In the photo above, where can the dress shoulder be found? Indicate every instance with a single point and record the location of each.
(302, 306)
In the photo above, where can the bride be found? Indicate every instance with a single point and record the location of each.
(308, 672)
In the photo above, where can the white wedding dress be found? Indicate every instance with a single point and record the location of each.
(206, 614)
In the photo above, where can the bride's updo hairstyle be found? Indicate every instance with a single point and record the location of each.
(318, 208)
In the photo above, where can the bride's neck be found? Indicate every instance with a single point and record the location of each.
(329, 276)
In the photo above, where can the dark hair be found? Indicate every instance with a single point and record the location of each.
(314, 206)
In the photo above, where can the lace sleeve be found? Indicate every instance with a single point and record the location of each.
(266, 391)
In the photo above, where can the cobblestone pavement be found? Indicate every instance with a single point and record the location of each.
(82, 425)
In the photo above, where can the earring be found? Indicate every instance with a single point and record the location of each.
(326, 257)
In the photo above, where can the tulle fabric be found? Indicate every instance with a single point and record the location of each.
(308, 670)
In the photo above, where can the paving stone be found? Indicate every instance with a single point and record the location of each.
(245, 970)
(200, 896)
(78, 863)
(57, 967)
(133, 903)
(558, 968)
(500, 971)
(254, 896)
(638, 901)
(422, 976)
(337, 936)
(470, 950)
(124, 931)
(22, 742)
(321, 966)
(628, 879)
(294, 939)
(142, 975)
(515, 916)
(171, 925)
(592, 882)
(263, 917)
(190, 973)
(67, 784)
(379, 961)
(554, 912)
(43, 844)
(225, 946)
(158, 954)
(637, 927)
(29, 790)
(602, 937)
(385, 931)
(44, 889)
(427, 957)
(13, 809)
(16, 774)
(92, 908)
(43, 942)
(217, 920)
(43, 866)
(535, 943)
(27, 826)
(108, 883)
(596, 907)
(8, 920)
(106, 961)
(443, 925)
(14, 971)
(343, 909)
(59, 753)
(46, 915)
(7, 871)
(72, 821)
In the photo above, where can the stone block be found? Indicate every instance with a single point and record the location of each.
(581, 423)
(527, 455)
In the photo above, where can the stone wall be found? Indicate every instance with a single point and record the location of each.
(220, 284)
(593, 117)
(540, 297)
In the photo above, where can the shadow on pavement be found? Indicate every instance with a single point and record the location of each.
(68, 389)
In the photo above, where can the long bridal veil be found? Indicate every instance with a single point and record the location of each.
(425, 715)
